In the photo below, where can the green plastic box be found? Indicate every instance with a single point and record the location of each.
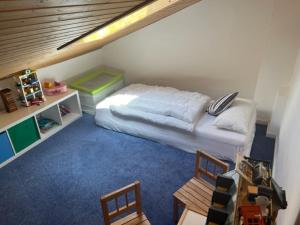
(96, 81)
(95, 86)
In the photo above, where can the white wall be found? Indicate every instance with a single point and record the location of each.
(213, 46)
(278, 110)
(280, 56)
(72, 67)
(287, 155)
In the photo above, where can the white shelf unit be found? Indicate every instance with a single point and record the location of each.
(49, 109)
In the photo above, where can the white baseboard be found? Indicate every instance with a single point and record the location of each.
(274, 136)
(262, 122)
(266, 123)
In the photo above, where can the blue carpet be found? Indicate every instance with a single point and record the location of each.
(262, 147)
(59, 182)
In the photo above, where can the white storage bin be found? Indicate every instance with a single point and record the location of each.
(89, 102)
(96, 85)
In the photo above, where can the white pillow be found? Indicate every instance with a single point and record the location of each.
(237, 118)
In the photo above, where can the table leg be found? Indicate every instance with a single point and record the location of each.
(175, 210)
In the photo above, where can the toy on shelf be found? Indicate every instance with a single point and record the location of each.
(46, 124)
(64, 110)
(29, 88)
(251, 215)
(244, 168)
(54, 87)
(8, 100)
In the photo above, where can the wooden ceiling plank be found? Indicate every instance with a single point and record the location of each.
(31, 45)
(49, 35)
(49, 19)
(11, 5)
(28, 43)
(37, 27)
(28, 57)
(52, 30)
(18, 56)
(31, 13)
(6, 58)
(39, 42)
(30, 49)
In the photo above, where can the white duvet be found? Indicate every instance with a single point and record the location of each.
(160, 105)
(153, 118)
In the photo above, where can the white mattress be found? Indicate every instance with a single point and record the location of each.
(223, 144)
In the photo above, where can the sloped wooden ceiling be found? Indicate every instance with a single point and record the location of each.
(32, 30)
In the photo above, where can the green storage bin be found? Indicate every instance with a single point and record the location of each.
(96, 81)
(23, 134)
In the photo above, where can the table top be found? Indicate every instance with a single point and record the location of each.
(239, 198)
(9, 119)
(190, 217)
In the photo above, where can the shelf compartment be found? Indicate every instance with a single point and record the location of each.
(72, 109)
(70, 118)
(49, 121)
(33, 94)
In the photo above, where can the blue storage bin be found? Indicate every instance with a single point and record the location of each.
(6, 150)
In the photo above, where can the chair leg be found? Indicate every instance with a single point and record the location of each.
(175, 210)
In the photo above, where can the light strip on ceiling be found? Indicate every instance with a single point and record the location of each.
(126, 21)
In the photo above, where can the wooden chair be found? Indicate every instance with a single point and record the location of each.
(196, 194)
(134, 218)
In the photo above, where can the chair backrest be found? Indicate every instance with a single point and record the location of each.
(209, 166)
(121, 209)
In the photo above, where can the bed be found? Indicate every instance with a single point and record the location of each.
(204, 135)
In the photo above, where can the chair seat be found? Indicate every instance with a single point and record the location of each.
(133, 219)
(196, 194)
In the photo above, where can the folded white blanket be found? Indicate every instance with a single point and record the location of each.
(154, 118)
(164, 101)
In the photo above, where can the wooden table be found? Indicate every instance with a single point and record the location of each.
(242, 199)
(190, 217)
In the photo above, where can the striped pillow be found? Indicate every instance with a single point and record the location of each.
(221, 104)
